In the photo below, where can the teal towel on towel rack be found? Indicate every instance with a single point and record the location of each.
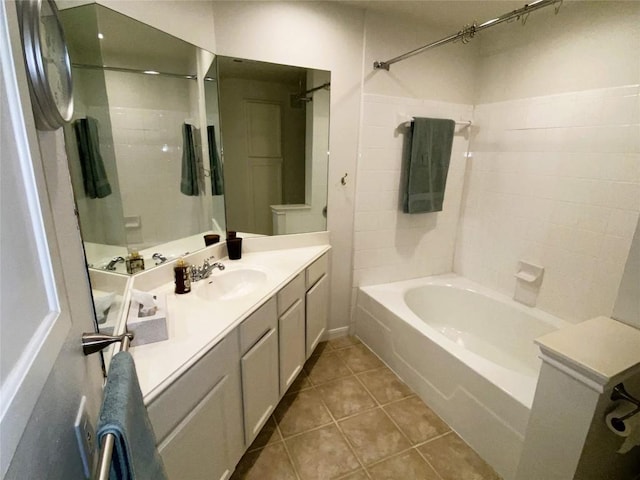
(124, 415)
(215, 166)
(427, 164)
(189, 177)
(94, 176)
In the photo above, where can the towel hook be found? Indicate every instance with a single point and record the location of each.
(343, 180)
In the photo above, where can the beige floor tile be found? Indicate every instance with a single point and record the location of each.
(345, 397)
(455, 460)
(343, 342)
(406, 466)
(325, 368)
(299, 412)
(359, 475)
(384, 385)
(321, 454)
(416, 420)
(301, 383)
(268, 434)
(359, 358)
(271, 462)
(373, 436)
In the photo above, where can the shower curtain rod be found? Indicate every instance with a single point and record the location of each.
(468, 32)
(315, 89)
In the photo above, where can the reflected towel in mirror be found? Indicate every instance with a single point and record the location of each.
(94, 175)
(215, 165)
(189, 177)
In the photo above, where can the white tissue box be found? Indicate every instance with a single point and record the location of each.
(149, 328)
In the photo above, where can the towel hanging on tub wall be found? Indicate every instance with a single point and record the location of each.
(427, 164)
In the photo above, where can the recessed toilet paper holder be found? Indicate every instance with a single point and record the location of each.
(620, 393)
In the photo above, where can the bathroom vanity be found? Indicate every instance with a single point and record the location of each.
(236, 344)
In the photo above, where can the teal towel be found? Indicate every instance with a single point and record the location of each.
(123, 414)
(189, 178)
(217, 186)
(427, 164)
(94, 175)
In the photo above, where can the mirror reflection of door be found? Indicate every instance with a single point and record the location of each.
(263, 129)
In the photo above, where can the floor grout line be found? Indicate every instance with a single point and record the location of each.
(337, 425)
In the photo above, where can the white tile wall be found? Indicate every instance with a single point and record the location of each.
(390, 245)
(147, 114)
(554, 180)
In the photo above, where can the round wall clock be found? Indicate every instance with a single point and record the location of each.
(48, 65)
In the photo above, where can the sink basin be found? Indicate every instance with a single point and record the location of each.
(232, 284)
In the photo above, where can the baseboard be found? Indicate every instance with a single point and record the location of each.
(335, 333)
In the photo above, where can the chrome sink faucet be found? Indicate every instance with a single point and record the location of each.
(200, 273)
(159, 258)
(111, 266)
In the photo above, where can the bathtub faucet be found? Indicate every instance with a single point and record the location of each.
(200, 273)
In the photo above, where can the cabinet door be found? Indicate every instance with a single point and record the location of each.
(292, 344)
(317, 310)
(198, 448)
(260, 384)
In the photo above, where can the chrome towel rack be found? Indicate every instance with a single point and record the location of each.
(92, 343)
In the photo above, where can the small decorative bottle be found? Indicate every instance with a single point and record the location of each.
(182, 278)
(134, 262)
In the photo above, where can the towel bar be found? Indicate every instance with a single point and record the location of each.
(104, 459)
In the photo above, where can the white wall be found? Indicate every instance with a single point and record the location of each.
(445, 74)
(555, 177)
(325, 36)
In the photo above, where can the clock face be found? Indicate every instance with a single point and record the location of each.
(48, 63)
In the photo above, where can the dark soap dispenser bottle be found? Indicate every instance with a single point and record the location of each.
(182, 278)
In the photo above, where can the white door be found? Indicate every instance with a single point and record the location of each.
(253, 156)
(43, 372)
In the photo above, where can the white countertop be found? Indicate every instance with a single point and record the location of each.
(195, 325)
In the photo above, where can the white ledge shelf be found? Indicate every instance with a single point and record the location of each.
(598, 352)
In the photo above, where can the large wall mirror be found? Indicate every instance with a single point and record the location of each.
(169, 142)
(275, 131)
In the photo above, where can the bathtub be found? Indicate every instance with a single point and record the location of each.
(466, 350)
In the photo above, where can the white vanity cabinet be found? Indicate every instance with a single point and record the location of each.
(291, 330)
(259, 366)
(317, 300)
(198, 419)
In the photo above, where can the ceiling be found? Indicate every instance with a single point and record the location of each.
(449, 14)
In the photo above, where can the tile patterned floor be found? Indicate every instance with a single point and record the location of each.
(348, 417)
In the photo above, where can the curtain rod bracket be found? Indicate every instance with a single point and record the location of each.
(381, 66)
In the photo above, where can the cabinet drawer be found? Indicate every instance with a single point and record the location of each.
(177, 401)
(260, 322)
(316, 270)
(291, 292)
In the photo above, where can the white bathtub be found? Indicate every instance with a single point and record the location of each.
(466, 350)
